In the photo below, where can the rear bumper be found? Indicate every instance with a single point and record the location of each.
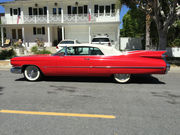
(16, 70)
(168, 66)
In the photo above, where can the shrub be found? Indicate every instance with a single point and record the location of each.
(175, 43)
(36, 51)
(7, 54)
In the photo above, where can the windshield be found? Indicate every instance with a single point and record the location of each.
(67, 42)
(100, 40)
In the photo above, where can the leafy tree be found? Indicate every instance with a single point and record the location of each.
(163, 12)
(133, 23)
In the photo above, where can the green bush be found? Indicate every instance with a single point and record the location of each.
(36, 51)
(7, 54)
(175, 43)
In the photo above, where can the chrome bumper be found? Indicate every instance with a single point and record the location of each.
(168, 66)
(16, 70)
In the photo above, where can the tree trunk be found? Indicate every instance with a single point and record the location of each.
(162, 40)
(148, 23)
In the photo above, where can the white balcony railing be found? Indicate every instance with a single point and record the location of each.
(65, 18)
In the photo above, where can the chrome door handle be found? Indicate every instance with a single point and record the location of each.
(87, 58)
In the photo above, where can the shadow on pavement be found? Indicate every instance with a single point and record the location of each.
(136, 79)
(145, 79)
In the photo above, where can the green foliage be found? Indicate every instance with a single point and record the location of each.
(35, 50)
(44, 51)
(174, 35)
(133, 23)
(7, 54)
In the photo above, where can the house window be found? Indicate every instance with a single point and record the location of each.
(107, 9)
(40, 11)
(85, 9)
(54, 11)
(74, 10)
(35, 11)
(96, 7)
(69, 10)
(80, 10)
(39, 31)
(15, 11)
(101, 9)
(13, 33)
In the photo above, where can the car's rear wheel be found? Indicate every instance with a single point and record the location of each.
(32, 73)
(122, 78)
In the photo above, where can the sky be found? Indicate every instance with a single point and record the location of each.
(123, 11)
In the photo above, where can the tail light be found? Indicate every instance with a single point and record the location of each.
(57, 47)
(109, 44)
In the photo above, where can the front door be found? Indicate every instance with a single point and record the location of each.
(59, 33)
(19, 33)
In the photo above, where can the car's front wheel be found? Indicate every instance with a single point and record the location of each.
(32, 73)
(122, 78)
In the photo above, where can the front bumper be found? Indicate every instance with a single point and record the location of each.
(16, 70)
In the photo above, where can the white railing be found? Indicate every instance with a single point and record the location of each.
(72, 18)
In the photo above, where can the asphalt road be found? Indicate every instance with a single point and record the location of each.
(149, 105)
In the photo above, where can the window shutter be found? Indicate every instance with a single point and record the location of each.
(43, 30)
(30, 10)
(11, 11)
(19, 11)
(34, 30)
(113, 8)
(45, 10)
(96, 7)
(69, 10)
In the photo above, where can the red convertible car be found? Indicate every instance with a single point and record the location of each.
(91, 60)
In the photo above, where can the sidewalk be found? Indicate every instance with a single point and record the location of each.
(5, 65)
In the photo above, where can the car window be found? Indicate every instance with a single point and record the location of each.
(83, 51)
(100, 40)
(60, 52)
(95, 51)
(67, 42)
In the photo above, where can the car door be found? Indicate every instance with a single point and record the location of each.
(99, 63)
(74, 63)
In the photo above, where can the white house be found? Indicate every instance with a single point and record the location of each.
(54, 20)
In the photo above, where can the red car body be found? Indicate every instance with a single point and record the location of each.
(135, 62)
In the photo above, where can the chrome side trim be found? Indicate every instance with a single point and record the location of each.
(16, 70)
(112, 67)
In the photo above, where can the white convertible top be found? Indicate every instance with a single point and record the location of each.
(107, 50)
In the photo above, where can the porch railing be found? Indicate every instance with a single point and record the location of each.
(65, 18)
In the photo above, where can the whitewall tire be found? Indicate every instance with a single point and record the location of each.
(122, 78)
(32, 73)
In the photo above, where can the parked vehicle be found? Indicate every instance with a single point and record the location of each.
(67, 41)
(102, 40)
(91, 60)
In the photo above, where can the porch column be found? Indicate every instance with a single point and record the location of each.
(22, 15)
(49, 36)
(89, 34)
(23, 36)
(118, 37)
(2, 36)
(62, 15)
(47, 14)
(62, 32)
